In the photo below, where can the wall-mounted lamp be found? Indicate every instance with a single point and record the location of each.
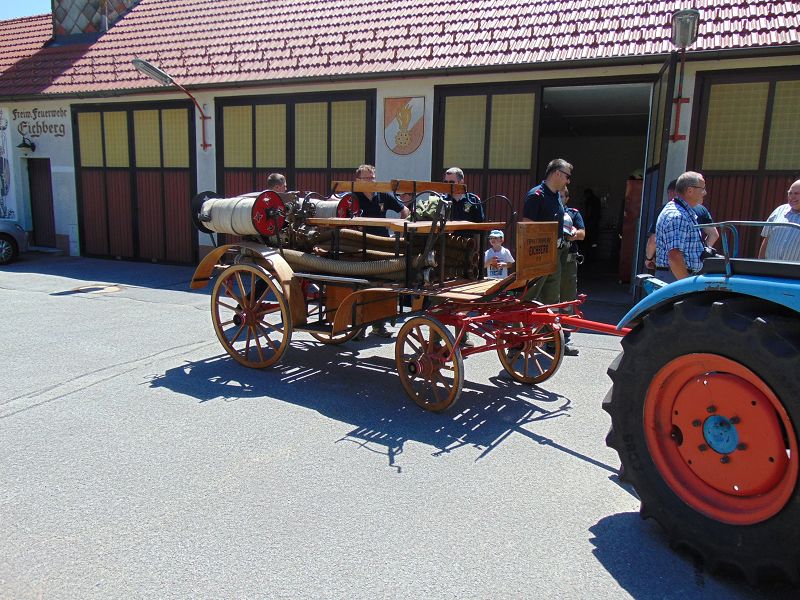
(27, 145)
(163, 78)
(684, 33)
(684, 27)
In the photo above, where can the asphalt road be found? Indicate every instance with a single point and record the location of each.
(138, 460)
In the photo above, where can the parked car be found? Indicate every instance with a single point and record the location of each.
(13, 240)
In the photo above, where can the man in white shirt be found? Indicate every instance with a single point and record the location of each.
(783, 243)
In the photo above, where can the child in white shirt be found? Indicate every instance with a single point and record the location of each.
(497, 258)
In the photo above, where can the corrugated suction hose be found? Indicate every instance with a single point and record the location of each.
(305, 261)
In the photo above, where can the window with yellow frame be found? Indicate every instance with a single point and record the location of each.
(268, 127)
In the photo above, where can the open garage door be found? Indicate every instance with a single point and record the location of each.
(601, 128)
(654, 186)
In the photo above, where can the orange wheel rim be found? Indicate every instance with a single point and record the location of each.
(721, 438)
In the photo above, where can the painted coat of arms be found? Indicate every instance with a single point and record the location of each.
(403, 123)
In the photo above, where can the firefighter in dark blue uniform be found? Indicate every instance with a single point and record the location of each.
(375, 204)
(573, 231)
(544, 204)
(465, 207)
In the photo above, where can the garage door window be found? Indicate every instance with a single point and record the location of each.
(784, 139)
(735, 126)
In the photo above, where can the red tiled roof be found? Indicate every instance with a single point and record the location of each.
(235, 41)
(25, 65)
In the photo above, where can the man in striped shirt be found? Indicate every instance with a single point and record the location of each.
(783, 243)
(678, 243)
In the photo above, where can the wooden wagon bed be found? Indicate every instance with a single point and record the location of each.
(426, 274)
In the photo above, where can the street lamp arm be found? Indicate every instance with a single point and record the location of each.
(196, 103)
(164, 78)
(203, 116)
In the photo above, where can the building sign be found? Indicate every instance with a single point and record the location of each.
(403, 123)
(7, 202)
(35, 122)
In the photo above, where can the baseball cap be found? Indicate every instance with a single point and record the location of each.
(496, 233)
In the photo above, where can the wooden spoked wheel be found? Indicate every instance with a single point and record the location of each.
(251, 317)
(429, 363)
(334, 340)
(531, 354)
(327, 337)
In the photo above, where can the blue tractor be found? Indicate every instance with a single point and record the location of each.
(705, 411)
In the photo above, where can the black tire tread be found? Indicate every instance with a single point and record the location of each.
(768, 341)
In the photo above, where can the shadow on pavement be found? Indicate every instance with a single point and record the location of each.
(127, 273)
(366, 393)
(631, 550)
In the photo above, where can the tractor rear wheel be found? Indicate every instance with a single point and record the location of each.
(705, 414)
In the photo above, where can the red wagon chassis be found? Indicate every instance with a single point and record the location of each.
(507, 322)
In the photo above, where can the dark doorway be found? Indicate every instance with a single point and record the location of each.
(41, 187)
(602, 131)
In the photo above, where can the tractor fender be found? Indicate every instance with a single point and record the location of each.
(785, 292)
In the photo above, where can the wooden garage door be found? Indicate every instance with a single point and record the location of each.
(136, 176)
